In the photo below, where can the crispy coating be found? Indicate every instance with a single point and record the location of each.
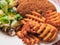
(21, 1)
(52, 17)
(26, 6)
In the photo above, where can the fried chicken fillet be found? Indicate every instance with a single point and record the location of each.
(26, 6)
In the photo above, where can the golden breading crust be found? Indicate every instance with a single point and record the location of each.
(52, 17)
(27, 6)
(21, 1)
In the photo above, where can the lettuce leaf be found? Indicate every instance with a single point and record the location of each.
(12, 3)
(4, 6)
(4, 19)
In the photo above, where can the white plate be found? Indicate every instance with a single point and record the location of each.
(7, 40)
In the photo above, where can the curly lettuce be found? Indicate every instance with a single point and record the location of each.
(13, 14)
(4, 19)
(12, 3)
(4, 6)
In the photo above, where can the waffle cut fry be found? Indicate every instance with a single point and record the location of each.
(26, 37)
(21, 33)
(36, 17)
(31, 40)
(45, 31)
(52, 17)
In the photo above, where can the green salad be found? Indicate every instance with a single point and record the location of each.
(9, 17)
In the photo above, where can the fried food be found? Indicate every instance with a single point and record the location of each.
(38, 25)
(28, 38)
(26, 6)
(34, 17)
(35, 26)
(24, 30)
(21, 1)
(46, 31)
(52, 17)
(31, 40)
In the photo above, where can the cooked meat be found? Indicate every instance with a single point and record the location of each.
(26, 6)
(21, 1)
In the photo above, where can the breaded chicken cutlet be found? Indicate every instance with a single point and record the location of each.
(26, 6)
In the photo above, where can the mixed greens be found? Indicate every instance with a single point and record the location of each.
(11, 3)
(4, 6)
(9, 18)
